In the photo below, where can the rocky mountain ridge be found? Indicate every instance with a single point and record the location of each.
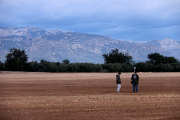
(56, 45)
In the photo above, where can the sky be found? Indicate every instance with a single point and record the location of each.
(135, 20)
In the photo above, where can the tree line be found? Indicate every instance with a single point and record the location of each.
(17, 60)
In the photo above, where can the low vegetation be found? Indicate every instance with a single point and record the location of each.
(16, 60)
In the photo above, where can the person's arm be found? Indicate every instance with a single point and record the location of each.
(132, 77)
(137, 77)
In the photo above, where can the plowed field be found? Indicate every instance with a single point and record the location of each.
(88, 96)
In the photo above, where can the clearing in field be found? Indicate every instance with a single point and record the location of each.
(88, 96)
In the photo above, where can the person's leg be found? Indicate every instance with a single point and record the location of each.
(118, 87)
(136, 88)
(133, 87)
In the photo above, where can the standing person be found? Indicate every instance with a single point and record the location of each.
(118, 82)
(135, 81)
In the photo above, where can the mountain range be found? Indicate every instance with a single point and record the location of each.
(56, 45)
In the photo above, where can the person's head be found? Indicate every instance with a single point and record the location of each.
(119, 73)
(135, 72)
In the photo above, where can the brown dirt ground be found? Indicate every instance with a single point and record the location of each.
(88, 96)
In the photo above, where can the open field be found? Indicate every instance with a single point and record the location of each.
(88, 96)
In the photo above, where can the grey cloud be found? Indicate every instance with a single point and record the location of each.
(116, 18)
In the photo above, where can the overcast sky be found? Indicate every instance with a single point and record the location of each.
(136, 20)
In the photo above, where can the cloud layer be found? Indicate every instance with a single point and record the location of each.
(137, 20)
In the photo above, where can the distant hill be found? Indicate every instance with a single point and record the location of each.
(56, 45)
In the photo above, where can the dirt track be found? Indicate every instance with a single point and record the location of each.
(88, 96)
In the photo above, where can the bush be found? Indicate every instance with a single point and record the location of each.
(2, 66)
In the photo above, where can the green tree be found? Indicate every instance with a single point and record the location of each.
(54, 67)
(170, 60)
(2, 66)
(117, 57)
(160, 68)
(156, 59)
(141, 66)
(16, 60)
(176, 67)
(66, 61)
(168, 67)
(46, 65)
(34, 66)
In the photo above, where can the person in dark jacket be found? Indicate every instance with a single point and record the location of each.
(135, 81)
(118, 82)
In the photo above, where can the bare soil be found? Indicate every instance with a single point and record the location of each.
(88, 96)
